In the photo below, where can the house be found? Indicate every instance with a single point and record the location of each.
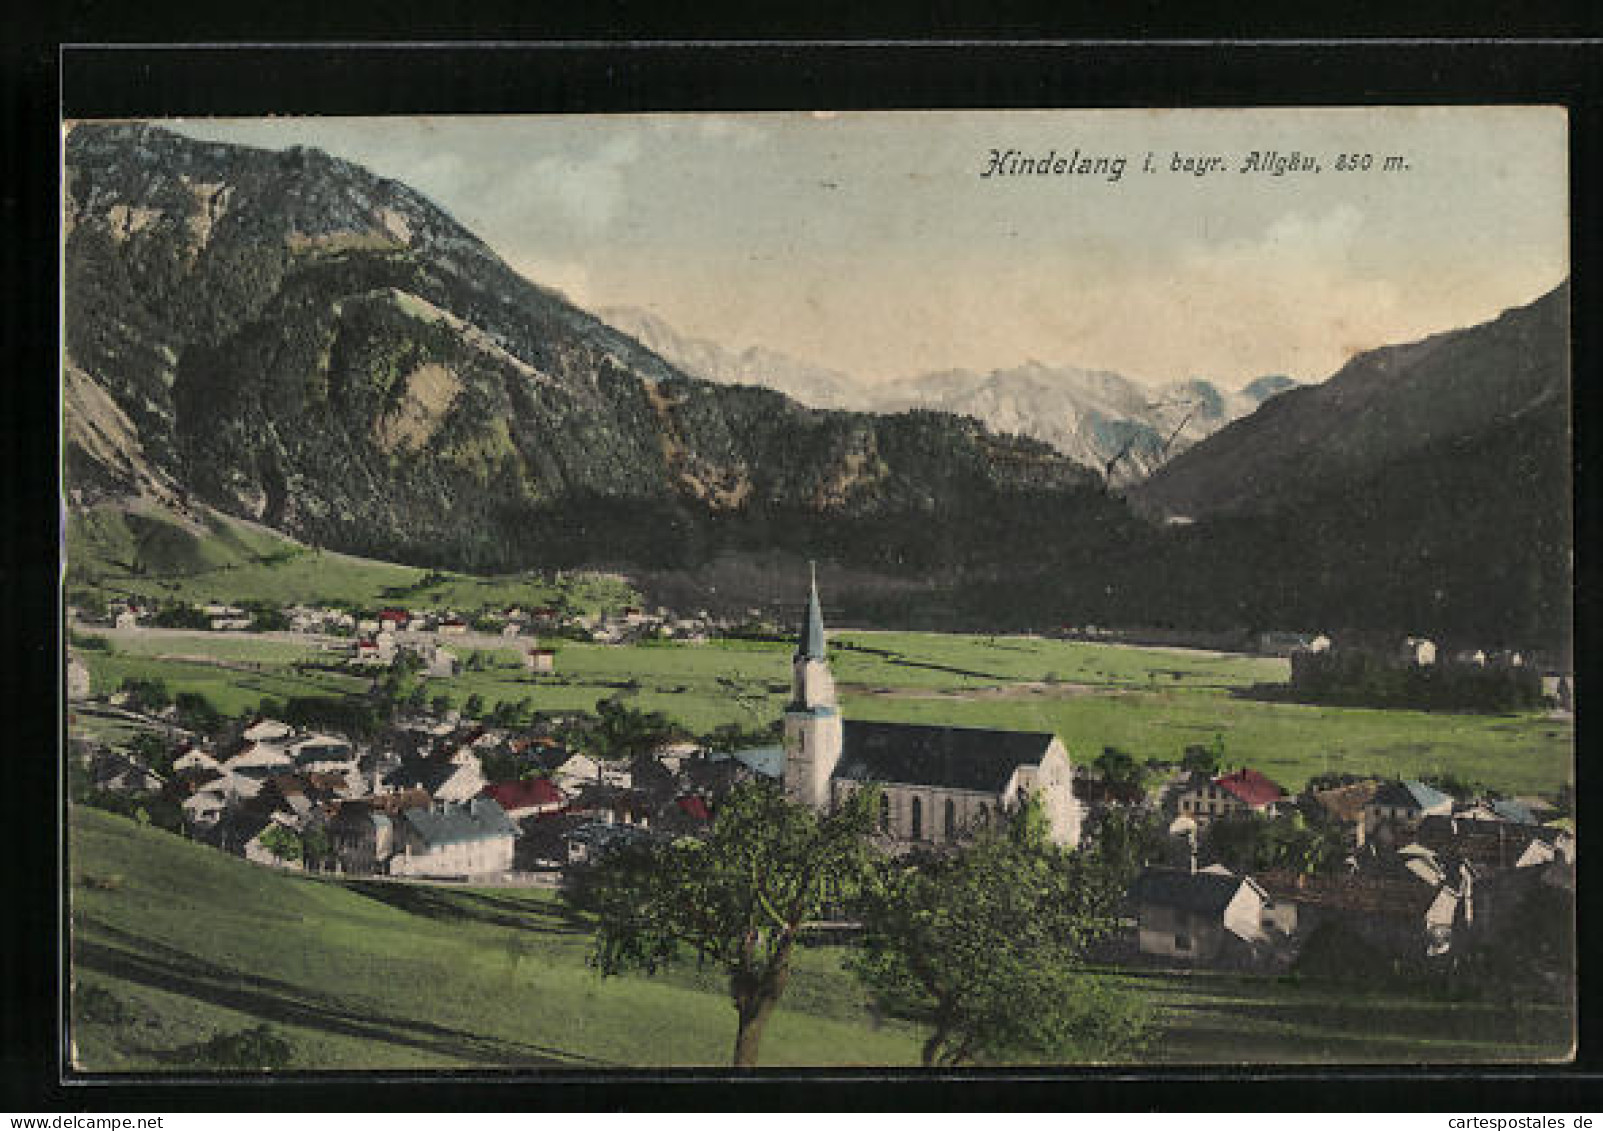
(442, 663)
(113, 771)
(1402, 913)
(529, 798)
(127, 618)
(589, 840)
(611, 805)
(1285, 643)
(762, 761)
(1560, 689)
(468, 838)
(267, 730)
(1403, 805)
(393, 620)
(572, 771)
(194, 758)
(540, 660)
(1347, 807)
(935, 782)
(258, 759)
(1418, 651)
(453, 626)
(322, 753)
(241, 832)
(78, 683)
(205, 807)
(362, 838)
(1495, 845)
(1244, 791)
(443, 779)
(1198, 917)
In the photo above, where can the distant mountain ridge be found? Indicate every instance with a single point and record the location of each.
(1383, 405)
(287, 338)
(291, 339)
(1089, 415)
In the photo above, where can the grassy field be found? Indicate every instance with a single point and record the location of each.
(189, 943)
(113, 552)
(194, 942)
(1151, 702)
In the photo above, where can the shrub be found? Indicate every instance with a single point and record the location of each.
(95, 1003)
(261, 1048)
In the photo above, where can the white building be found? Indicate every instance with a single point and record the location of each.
(474, 838)
(935, 782)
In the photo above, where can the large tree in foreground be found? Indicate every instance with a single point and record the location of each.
(985, 947)
(738, 899)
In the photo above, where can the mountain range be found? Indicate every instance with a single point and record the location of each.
(1090, 415)
(285, 337)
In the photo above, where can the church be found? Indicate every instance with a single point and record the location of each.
(935, 782)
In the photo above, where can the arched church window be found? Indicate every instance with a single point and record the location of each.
(951, 819)
(918, 819)
(885, 812)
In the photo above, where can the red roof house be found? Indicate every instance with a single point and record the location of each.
(526, 798)
(1251, 788)
(694, 806)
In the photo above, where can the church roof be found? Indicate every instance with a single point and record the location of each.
(947, 757)
(811, 644)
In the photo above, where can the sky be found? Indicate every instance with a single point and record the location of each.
(872, 243)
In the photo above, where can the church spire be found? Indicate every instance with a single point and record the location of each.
(811, 644)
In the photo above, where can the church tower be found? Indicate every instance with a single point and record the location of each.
(812, 719)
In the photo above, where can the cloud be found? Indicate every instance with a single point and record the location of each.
(585, 189)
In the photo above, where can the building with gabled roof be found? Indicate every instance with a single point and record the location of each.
(935, 782)
(1405, 803)
(1193, 917)
(472, 838)
(526, 798)
(1203, 798)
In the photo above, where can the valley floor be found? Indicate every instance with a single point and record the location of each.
(1150, 702)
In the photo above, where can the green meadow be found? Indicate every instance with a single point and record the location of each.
(173, 943)
(193, 942)
(150, 553)
(1151, 702)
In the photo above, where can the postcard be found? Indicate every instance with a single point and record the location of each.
(858, 589)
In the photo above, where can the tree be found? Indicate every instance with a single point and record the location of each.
(621, 731)
(154, 751)
(1246, 843)
(474, 707)
(1204, 758)
(281, 842)
(1127, 841)
(985, 947)
(1119, 769)
(315, 845)
(146, 694)
(440, 704)
(196, 712)
(739, 899)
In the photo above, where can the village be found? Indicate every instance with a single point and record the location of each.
(1232, 871)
